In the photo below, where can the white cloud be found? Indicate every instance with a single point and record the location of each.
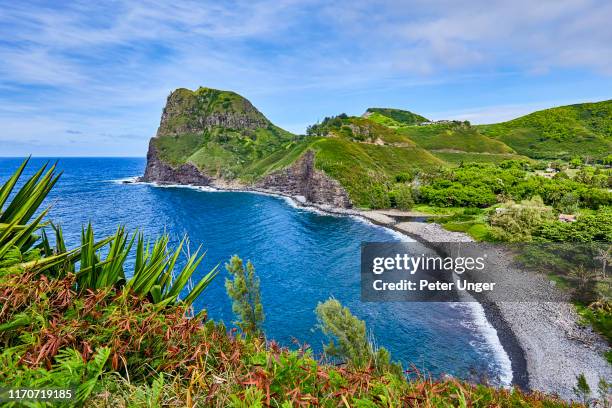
(500, 113)
(106, 67)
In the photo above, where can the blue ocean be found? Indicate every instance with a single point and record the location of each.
(302, 258)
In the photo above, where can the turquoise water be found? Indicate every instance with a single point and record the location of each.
(302, 257)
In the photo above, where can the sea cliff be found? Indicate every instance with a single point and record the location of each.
(204, 122)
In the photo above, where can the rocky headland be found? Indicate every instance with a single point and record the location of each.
(184, 116)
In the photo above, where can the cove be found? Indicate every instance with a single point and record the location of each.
(302, 257)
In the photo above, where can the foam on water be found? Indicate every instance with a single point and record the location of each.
(490, 338)
(479, 322)
(288, 200)
(302, 254)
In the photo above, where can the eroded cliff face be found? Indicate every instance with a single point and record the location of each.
(160, 172)
(201, 112)
(302, 180)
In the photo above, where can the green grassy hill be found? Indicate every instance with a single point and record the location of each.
(393, 117)
(454, 137)
(456, 158)
(367, 171)
(226, 137)
(359, 129)
(559, 133)
(220, 132)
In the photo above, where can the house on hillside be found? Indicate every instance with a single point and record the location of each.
(567, 218)
(551, 169)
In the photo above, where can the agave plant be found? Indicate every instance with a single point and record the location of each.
(154, 274)
(17, 232)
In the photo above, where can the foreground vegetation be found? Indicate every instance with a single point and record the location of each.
(79, 319)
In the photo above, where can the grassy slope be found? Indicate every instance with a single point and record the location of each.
(175, 150)
(226, 152)
(456, 158)
(394, 117)
(446, 141)
(348, 154)
(365, 156)
(559, 133)
(361, 167)
(454, 137)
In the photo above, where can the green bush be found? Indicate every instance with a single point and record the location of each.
(401, 197)
(348, 338)
(404, 177)
(516, 222)
(588, 227)
(243, 289)
(482, 185)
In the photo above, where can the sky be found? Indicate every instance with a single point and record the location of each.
(83, 78)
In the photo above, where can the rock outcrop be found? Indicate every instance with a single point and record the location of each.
(216, 117)
(160, 172)
(302, 180)
(195, 112)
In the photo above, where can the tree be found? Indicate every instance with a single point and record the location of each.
(244, 291)
(575, 163)
(348, 339)
(517, 222)
(605, 256)
(584, 278)
(401, 197)
(582, 389)
(568, 203)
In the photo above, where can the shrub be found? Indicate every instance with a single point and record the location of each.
(575, 162)
(588, 227)
(404, 177)
(453, 194)
(514, 222)
(243, 289)
(348, 339)
(378, 196)
(401, 197)
(568, 203)
(582, 390)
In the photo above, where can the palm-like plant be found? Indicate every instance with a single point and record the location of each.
(21, 247)
(17, 232)
(154, 272)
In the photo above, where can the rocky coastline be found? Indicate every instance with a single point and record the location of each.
(546, 344)
(301, 180)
